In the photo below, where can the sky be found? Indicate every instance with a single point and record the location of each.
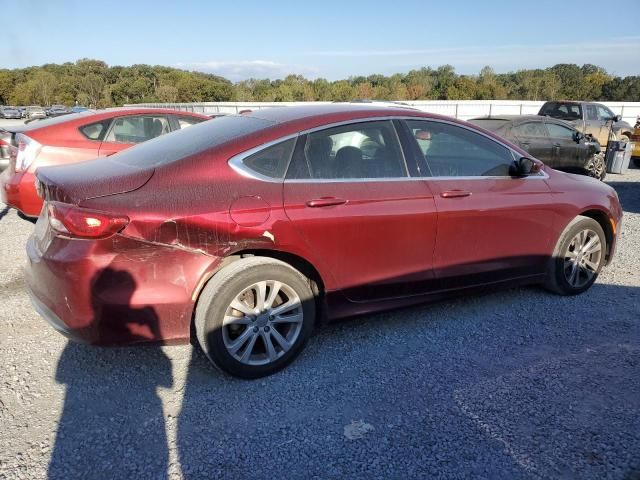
(326, 38)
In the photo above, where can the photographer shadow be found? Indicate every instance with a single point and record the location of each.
(103, 433)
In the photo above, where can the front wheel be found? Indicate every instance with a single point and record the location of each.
(254, 317)
(578, 258)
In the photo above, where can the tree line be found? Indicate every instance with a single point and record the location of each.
(94, 83)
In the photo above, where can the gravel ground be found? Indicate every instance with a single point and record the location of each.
(517, 384)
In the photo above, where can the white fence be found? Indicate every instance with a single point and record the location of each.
(463, 109)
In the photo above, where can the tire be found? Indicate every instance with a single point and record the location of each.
(636, 161)
(561, 278)
(596, 167)
(236, 340)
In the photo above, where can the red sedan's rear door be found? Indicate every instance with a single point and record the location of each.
(129, 130)
(349, 193)
(491, 226)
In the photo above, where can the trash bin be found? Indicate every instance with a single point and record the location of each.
(617, 156)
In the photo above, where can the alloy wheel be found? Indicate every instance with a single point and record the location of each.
(582, 258)
(262, 323)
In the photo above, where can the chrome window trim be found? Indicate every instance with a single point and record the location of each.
(540, 176)
(236, 162)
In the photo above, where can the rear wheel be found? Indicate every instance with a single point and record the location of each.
(578, 257)
(254, 317)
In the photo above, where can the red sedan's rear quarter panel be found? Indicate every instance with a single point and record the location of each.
(116, 290)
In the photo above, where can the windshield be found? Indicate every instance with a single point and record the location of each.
(183, 143)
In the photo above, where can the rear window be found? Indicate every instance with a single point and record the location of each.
(183, 143)
(490, 124)
(565, 111)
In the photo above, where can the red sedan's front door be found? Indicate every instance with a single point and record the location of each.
(491, 229)
(491, 226)
(349, 194)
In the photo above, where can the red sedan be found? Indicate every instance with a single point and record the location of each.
(251, 229)
(78, 137)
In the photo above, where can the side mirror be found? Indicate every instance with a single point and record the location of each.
(577, 136)
(616, 118)
(525, 166)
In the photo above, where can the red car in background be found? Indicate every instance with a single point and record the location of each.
(250, 229)
(75, 138)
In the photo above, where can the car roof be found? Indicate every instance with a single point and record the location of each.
(510, 118)
(302, 117)
(75, 120)
(524, 118)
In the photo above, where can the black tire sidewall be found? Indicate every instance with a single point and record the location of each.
(210, 318)
(561, 282)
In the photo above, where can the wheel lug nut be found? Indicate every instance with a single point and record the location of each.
(271, 317)
(266, 329)
(255, 329)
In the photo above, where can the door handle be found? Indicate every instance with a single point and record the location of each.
(455, 194)
(326, 202)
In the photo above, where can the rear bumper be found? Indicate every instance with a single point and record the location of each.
(18, 190)
(48, 314)
(115, 291)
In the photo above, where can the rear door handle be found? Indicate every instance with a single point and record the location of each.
(455, 194)
(325, 202)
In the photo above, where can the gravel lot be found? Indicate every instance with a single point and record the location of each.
(514, 384)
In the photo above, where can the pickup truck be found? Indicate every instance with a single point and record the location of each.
(589, 117)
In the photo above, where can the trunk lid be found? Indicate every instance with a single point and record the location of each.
(78, 182)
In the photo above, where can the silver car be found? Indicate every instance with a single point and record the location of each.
(35, 111)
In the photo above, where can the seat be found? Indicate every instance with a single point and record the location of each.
(319, 157)
(349, 163)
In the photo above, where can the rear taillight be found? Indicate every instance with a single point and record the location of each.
(84, 222)
(26, 152)
(635, 138)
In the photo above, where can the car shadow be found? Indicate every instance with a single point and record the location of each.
(400, 373)
(629, 194)
(396, 370)
(4, 212)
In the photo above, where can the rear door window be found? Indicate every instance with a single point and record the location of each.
(530, 129)
(137, 129)
(559, 131)
(364, 150)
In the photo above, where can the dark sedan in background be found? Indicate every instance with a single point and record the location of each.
(556, 143)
